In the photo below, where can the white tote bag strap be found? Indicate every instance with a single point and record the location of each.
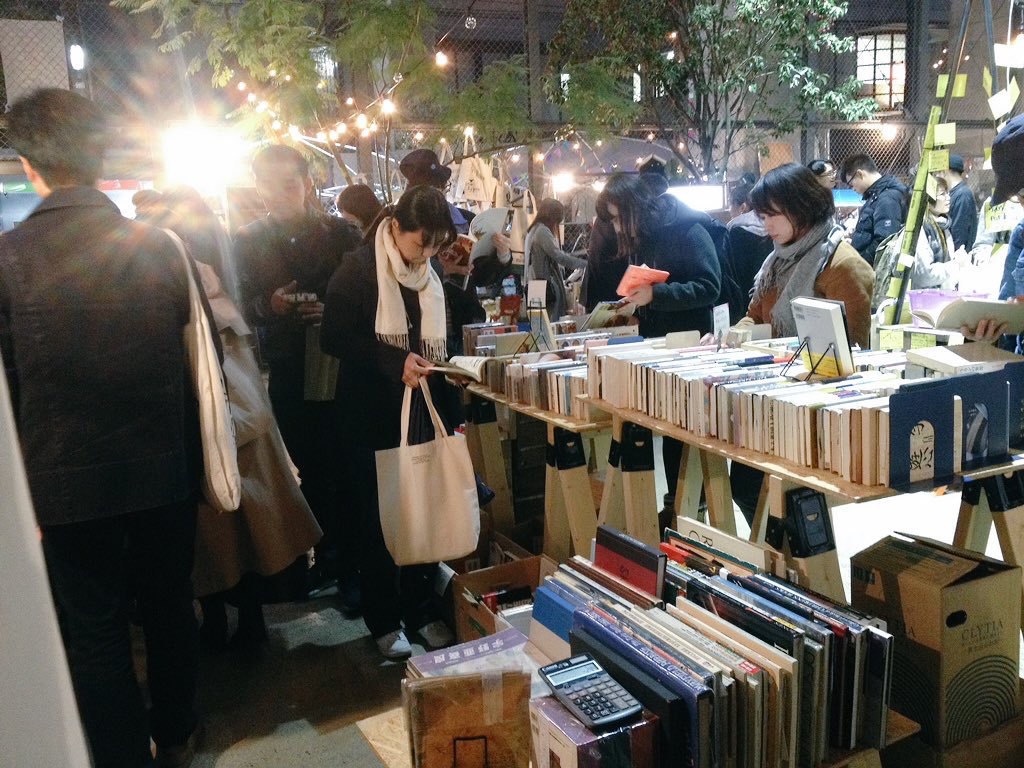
(439, 428)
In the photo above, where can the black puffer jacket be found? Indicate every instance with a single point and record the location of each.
(884, 212)
(677, 245)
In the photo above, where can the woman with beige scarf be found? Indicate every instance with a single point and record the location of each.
(384, 318)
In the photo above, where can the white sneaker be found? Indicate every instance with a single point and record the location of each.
(436, 635)
(394, 646)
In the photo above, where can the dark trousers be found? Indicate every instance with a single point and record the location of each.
(745, 483)
(390, 595)
(96, 568)
(309, 435)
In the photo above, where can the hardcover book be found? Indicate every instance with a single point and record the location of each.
(638, 563)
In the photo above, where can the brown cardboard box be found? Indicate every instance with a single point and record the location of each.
(955, 617)
(474, 619)
(562, 741)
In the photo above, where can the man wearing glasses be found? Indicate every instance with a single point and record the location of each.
(885, 204)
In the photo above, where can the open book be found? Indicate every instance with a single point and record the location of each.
(637, 276)
(970, 311)
(463, 366)
(608, 313)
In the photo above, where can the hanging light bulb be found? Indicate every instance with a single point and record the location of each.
(293, 131)
(539, 157)
(272, 73)
(443, 140)
(262, 106)
(251, 97)
(341, 128)
(365, 133)
(242, 86)
(287, 78)
(598, 143)
(349, 101)
(441, 59)
(361, 121)
(373, 126)
(276, 125)
(418, 136)
(321, 136)
(471, 22)
(650, 136)
(332, 134)
(387, 107)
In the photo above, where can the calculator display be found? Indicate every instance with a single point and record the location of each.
(558, 678)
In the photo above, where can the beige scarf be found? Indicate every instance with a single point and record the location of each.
(392, 322)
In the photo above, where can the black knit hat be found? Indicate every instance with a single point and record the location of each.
(422, 166)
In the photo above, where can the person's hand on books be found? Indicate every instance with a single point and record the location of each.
(451, 263)
(502, 243)
(416, 367)
(987, 331)
(642, 295)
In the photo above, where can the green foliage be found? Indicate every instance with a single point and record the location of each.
(718, 75)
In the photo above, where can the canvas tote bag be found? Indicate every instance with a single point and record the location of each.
(475, 181)
(427, 496)
(222, 483)
(525, 209)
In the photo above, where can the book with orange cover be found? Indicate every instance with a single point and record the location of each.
(637, 276)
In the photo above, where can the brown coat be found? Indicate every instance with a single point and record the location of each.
(274, 524)
(847, 278)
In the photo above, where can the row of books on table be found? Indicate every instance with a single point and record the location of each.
(737, 668)
(874, 427)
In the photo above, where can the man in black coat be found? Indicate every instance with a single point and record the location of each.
(885, 204)
(292, 251)
(92, 308)
(963, 209)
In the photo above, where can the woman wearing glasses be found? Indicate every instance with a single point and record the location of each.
(825, 171)
(936, 263)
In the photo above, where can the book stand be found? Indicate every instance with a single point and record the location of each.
(993, 497)
(805, 346)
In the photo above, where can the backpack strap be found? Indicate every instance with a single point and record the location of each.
(829, 246)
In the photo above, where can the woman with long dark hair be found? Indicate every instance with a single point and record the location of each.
(661, 232)
(384, 318)
(665, 234)
(545, 257)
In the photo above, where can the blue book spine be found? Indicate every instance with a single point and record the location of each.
(553, 611)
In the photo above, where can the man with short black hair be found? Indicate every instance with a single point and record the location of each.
(963, 210)
(290, 254)
(92, 309)
(885, 204)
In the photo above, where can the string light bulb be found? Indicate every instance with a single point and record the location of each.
(372, 126)
(418, 136)
(598, 143)
(365, 133)
(332, 134)
(251, 97)
(321, 136)
(387, 107)
(242, 86)
(272, 73)
(443, 140)
(262, 106)
(349, 101)
(650, 136)
(340, 128)
(293, 131)
(441, 59)
(287, 78)
(276, 125)
(539, 157)
(361, 121)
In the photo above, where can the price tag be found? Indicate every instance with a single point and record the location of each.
(720, 322)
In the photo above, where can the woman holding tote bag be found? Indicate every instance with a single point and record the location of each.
(384, 318)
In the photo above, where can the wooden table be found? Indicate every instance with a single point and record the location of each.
(570, 517)
(630, 499)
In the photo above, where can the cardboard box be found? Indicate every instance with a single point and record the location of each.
(561, 741)
(955, 617)
(472, 617)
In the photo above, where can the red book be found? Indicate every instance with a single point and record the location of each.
(634, 562)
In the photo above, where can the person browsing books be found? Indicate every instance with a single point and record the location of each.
(545, 258)
(659, 231)
(384, 318)
(810, 258)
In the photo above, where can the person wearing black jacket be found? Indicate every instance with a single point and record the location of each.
(885, 204)
(295, 249)
(663, 233)
(963, 209)
(384, 319)
(92, 309)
